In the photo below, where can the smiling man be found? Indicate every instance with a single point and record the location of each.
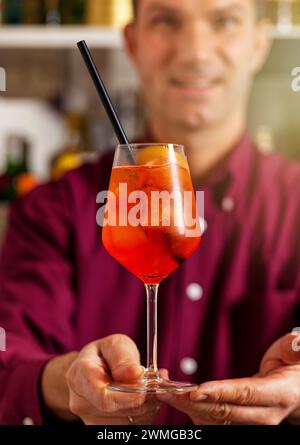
(196, 61)
(74, 317)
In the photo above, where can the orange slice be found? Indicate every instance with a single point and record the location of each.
(160, 155)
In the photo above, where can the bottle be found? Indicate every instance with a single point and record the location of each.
(24, 183)
(33, 12)
(17, 151)
(283, 14)
(72, 11)
(52, 12)
(1, 12)
(116, 13)
(12, 11)
(76, 149)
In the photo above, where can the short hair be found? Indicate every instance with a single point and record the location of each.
(260, 4)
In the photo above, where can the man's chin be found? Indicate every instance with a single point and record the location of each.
(194, 122)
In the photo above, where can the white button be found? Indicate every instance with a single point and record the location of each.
(228, 204)
(203, 225)
(188, 365)
(28, 421)
(194, 291)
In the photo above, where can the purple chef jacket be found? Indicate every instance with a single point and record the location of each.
(218, 312)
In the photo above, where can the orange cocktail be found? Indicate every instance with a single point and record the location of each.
(151, 226)
(149, 251)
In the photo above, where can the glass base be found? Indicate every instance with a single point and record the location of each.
(153, 385)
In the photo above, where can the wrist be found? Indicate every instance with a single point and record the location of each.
(54, 389)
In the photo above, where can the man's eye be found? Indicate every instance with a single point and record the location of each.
(226, 22)
(167, 21)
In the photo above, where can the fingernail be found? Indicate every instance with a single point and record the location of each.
(139, 370)
(198, 397)
(123, 367)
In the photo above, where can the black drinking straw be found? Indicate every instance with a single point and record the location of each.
(104, 96)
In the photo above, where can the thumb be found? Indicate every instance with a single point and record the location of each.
(285, 351)
(122, 357)
(290, 348)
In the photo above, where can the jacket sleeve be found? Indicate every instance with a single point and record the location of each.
(37, 297)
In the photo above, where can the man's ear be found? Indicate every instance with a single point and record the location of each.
(129, 36)
(263, 45)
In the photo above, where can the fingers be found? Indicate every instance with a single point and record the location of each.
(284, 351)
(90, 382)
(89, 375)
(254, 391)
(290, 348)
(224, 413)
(84, 409)
(164, 373)
(122, 420)
(148, 408)
(103, 421)
(208, 413)
(122, 357)
(113, 358)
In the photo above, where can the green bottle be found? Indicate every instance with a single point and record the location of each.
(17, 148)
(12, 11)
(72, 12)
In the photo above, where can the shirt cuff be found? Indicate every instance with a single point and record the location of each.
(21, 403)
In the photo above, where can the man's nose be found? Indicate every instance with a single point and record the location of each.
(196, 43)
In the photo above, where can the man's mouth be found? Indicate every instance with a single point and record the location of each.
(195, 86)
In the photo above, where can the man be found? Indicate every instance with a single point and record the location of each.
(75, 318)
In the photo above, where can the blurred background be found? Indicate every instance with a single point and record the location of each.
(51, 119)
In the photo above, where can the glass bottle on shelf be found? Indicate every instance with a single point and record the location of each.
(296, 12)
(76, 149)
(12, 12)
(109, 13)
(1, 12)
(33, 12)
(72, 11)
(16, 180)
(52, 12)
(284, 14)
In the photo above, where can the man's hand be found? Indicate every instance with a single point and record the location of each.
(264, 399)
(112, 358)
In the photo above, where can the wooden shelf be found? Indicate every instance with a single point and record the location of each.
(294, 34)
(55, 37)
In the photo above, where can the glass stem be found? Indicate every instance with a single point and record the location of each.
(151, 370)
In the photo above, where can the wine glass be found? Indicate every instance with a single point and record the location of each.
(151, 226)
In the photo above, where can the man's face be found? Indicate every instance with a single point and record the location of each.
(195, 58)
